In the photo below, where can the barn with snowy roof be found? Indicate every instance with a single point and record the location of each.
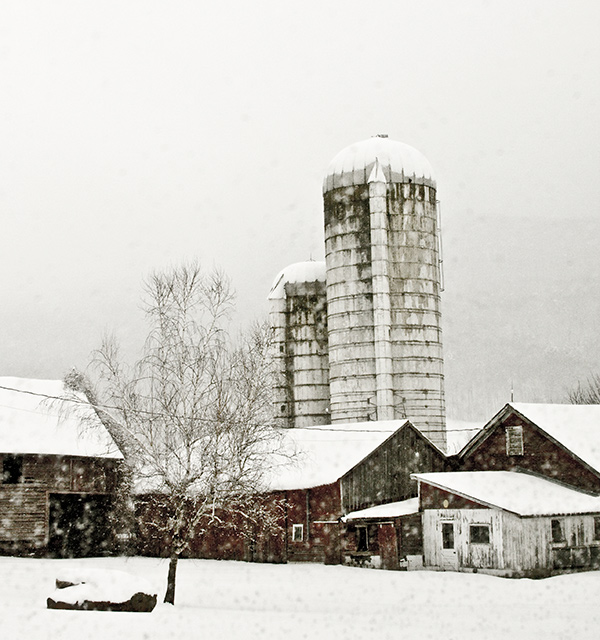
(559, 441)
(60, 472)
(507, 522)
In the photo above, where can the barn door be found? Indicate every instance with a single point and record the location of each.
(449, 555)
(78, 525)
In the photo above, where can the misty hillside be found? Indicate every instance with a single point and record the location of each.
(516, 315)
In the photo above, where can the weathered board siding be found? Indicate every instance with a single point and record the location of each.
(390, 540)
(528, 543)
(24, 506)
(476, 556)
(317, 510)
(24, 519)
(518, 545)
(431, 497)
(540, 455)
(227, 537)
(384, 475)
(383, 297)
(300, 349)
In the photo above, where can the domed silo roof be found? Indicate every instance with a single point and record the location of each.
(309, 271)
(400, 163)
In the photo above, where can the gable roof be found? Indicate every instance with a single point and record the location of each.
(521, 493)
(403, 424)
(325, 453)
(36, 418)
(576, 427)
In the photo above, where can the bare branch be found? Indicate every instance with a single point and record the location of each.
(194, 414)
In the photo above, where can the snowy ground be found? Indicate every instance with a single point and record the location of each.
(230, 600)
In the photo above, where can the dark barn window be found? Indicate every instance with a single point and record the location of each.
(297, 533)
(12, 469)
(479, 534)
(597, 528)
(557, 531)
(362, 539)
(447, 535)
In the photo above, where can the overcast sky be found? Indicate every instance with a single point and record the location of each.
(137, 134)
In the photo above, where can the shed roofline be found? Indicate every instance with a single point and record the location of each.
(438, 485)
(491, 505)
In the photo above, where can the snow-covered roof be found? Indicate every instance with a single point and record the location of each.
(324, 454)
(399, 162)
(520, 493)
(459, 433)
(309, 271)
(35, 417)
(575, 426)
(389, 510)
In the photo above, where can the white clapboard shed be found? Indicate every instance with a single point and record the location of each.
(507, 522)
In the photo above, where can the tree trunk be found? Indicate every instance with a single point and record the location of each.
(170, 594)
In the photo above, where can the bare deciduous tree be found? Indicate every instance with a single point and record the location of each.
(587, 392)
(194, 414)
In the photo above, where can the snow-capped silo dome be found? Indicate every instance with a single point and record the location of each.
(399, 162)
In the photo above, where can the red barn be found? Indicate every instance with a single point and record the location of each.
(60, 472)
(559, 441)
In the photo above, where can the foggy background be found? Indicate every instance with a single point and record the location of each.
(138, 134)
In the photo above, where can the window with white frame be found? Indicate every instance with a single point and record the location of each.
(297, 533)
(479, 534)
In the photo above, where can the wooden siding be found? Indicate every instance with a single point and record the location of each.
(540, 455)
(518, 546)
(384, 476)
(528, 543)
(24, 523)
(318, 510)
(434, 498)
(469, 555)
(226, 537)
(24, 519)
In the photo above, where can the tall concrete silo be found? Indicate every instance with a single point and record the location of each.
(383, 286)
(298, 317)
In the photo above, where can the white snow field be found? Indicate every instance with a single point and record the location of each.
(231, 600)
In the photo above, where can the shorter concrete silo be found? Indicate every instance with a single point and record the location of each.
(298, 316)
